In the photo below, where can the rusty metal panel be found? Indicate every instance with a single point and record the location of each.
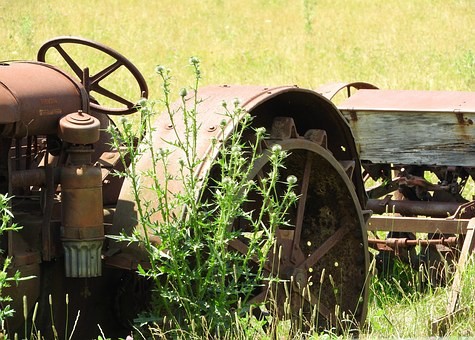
(8, 105)
(413, 127)
(308, 109)
(47, 95)
(410, 101)
(330, 90)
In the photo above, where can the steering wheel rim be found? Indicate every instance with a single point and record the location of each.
(92, 83)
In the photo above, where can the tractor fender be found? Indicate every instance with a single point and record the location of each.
(308, 109)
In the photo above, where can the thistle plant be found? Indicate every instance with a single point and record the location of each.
(6, 278)
(203, 285)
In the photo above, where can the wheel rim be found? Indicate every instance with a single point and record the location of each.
(321, 263)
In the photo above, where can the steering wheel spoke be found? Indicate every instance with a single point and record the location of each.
(105, 72)
(91, 83)
(114, 96)
(75, 67)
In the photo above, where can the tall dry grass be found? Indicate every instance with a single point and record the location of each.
(406, 44)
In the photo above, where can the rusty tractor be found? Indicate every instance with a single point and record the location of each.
(57, 165)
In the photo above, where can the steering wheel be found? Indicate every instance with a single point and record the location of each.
(92, 82)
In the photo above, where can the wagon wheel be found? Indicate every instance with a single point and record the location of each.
(92, 84)
(321, 263)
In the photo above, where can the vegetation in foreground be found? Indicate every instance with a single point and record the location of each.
(201, 286)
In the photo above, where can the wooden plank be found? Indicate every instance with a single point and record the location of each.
(419, 138)
(439, 326)
(467, 249)
(418, 225)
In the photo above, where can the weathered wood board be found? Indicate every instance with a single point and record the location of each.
(413, 127)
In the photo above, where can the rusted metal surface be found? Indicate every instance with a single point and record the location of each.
(82, 225)
(49, 144)
(394, 244)
(411, 208)
(331, 90)
(329, 226)
(305, 107)
(410, 101)
(33, 107)
(79, 128)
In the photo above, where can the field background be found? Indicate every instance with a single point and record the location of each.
(397, 44)
(394, 44)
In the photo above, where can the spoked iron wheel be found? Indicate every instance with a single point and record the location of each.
(320, 263)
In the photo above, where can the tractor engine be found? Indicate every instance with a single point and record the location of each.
(46, 152)
(56, 167)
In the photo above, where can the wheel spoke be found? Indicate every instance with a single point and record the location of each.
(322, 308)
(302, 201)
(105, 72)
(99, 89)
(324, 248)
(261, 297)
(75, 67)
(239, 246)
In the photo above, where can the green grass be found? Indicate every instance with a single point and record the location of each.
(397, 44)
(401, 44)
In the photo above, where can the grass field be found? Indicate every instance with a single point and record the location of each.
(426, 44)
(395, 44)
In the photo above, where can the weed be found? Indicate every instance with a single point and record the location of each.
(6, 278)
(204, 287)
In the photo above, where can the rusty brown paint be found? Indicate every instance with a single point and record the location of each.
(326, 186)
(49, 93)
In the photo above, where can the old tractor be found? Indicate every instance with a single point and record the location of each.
(56, 164)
